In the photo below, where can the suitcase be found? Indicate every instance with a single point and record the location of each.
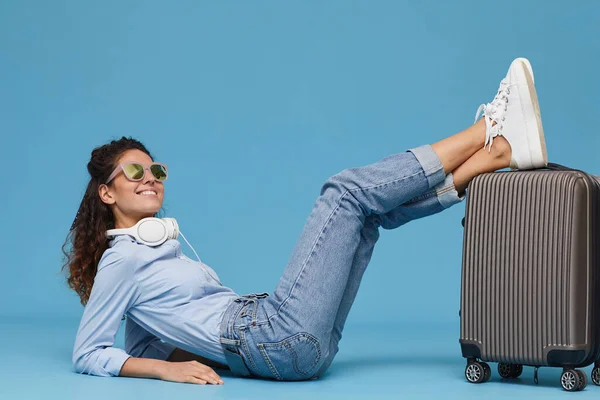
(530, 285)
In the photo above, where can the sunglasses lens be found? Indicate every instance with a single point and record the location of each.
(134, 171)
(159, 172)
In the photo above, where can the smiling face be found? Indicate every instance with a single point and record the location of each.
(131, 201)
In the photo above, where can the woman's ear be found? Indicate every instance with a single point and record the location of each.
(105, 194)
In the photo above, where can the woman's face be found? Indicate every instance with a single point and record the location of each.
(125, 197)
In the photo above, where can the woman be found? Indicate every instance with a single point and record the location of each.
(181, 321)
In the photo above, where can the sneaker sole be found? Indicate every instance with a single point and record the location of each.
(528, 65)
(535, 134)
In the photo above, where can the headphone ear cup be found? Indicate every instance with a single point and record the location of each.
(152, 231)
(172, 228)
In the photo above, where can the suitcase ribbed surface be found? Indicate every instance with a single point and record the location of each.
(517, 255)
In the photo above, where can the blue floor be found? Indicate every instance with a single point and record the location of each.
(375, 362)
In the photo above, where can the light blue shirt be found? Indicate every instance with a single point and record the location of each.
(164, 295)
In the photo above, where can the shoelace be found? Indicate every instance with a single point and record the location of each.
(494, 112)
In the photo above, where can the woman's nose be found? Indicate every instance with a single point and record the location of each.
(148, 177)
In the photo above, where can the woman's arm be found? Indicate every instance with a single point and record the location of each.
(185, 372)
(113, 293)
(138, 367)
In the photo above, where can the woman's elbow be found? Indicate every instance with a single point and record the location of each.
(78, 360)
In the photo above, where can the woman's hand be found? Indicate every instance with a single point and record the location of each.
(189, 372)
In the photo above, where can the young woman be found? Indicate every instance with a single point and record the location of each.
(182, 322)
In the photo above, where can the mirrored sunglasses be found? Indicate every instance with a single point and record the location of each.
(135, 171)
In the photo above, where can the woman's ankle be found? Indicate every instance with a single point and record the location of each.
(500, 153)
(483, 161)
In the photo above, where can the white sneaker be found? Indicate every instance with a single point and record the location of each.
(528, 65)
(515, 114)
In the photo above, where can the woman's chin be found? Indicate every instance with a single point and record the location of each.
(150, 204)
(149, 211)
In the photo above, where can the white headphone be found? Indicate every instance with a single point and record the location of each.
(152, 231)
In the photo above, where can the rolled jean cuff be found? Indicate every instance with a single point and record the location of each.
(431, 164)
(447, 194)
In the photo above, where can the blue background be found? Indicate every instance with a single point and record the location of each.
(253, 105)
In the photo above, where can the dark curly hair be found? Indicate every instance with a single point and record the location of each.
(88, 232)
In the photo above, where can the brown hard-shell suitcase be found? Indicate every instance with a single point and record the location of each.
(530, 289)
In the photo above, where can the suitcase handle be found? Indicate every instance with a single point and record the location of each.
(560, 167)
(556, 167)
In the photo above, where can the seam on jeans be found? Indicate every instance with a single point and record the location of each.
(421, 197)
(312, 249)
(269, 362)
(384, 183)
(445, 189)
(431, 194)
(327, 223)
(242, 336)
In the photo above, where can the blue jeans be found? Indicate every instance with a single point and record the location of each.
(293, 334)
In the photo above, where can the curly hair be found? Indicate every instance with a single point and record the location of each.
(87, 235)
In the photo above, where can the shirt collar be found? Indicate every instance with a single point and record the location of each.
(129, 238)
(120, 238)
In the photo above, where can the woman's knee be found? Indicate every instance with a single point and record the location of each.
(341, 188)
(341, 182)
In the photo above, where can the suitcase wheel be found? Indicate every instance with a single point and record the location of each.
(573, 380)
(582, 379)
(488, 371)
(508, 371)
(596, 376)
(478, 372)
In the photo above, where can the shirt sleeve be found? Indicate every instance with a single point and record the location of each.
(112, 295)
(141, 343)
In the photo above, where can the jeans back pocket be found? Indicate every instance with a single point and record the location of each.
(294, 358)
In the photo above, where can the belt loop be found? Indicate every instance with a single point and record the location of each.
(254, 298)
(254, 308)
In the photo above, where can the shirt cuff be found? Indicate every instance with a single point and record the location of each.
(115, 358)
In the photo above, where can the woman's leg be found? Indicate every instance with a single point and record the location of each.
(310, 292)
(294, 338)
(443, 196)
(446, 194)
(456, 149)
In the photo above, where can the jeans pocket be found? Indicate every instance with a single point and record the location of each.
(294, 358)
